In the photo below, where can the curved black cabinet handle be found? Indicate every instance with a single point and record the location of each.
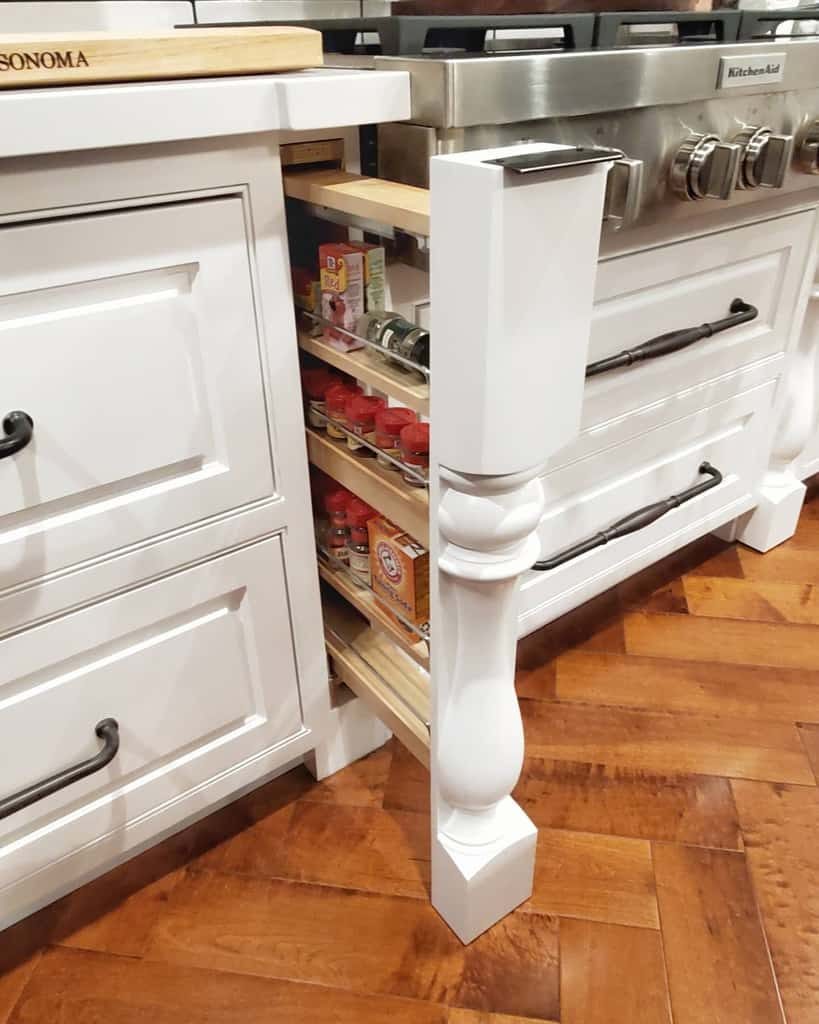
(665, 344)
(18, 427)
(635, 521)
(108, 731)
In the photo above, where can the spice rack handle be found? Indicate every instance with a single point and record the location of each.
(634, 521)
(674, 341)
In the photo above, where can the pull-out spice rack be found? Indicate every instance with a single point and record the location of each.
(383, 662)
(414, 639)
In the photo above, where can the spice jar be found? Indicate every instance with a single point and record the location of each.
(315, 384)
(336, 502)
(358, 515)
(415, 451)
(360, 412)
(407, 340)
(395, 334)
(336, 400)
(388, 425)
(371, 326)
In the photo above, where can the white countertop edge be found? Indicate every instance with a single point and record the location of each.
(66, 118)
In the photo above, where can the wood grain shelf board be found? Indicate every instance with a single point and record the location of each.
(378, 373)
(386, 202)
(377, 671)
(76, 58)
(384, 489)
(365, 601)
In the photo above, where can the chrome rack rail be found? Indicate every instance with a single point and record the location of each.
(403, 467)
(383, 353)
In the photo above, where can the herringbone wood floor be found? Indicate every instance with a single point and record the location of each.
(672, 753)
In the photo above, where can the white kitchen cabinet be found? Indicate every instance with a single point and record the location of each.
(157, 560)
(157, 555)
(197, 669)
(137, 354)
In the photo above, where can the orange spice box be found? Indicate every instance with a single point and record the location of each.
(400, 571)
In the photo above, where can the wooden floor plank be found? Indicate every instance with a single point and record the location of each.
(13, 979)
(787, 563)
(114, 913)
(359, 942)
(407, 788)
(600, 878)
(807, 530)
(658, 586)
(596, 625)
(760, 601)
(809, 734)
(87, 988)
(476, 1017)
(689, 687)
(729, 641)
(665, 743)
(363, 848)
(719, 971)
(360, 784)
(695, 809)
(781, 825)
(611, 975)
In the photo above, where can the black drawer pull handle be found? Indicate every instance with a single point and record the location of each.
(108, 731)
(674, 341)
(635, 521)
(18, 428)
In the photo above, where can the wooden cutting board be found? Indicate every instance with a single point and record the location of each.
(81, 57)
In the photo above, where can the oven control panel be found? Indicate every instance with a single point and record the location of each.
(765, 158)
(809, 149)
(705, 167)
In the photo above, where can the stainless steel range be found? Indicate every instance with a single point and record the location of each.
(719, 121)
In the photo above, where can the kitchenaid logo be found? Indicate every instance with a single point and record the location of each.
(768, 69)
(756, 70)
(18, 60)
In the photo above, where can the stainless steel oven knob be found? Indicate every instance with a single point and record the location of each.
(809, 149)
(765, 158)
(705, 168)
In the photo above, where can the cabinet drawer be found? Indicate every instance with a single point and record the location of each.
(647, 294)
(131, 341)
(590, 494)
(199, 672)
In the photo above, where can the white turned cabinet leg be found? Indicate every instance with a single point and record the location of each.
(354, 732)
(512, 267)
(782, 492)
(483, 852)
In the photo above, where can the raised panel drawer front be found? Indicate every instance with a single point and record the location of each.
(592, 493)
(198, 671)
(130, 339)
(643, 295)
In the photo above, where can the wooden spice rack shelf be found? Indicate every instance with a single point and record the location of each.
(379, 673)
(384, 489)
(386, 202)
(403, 385)
(363, 599)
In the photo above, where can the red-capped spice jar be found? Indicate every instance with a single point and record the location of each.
(315, 384)
(389, 423)
(359, 514)
(336, 400)
(360, 412)
(415, 451)
(336, 502)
